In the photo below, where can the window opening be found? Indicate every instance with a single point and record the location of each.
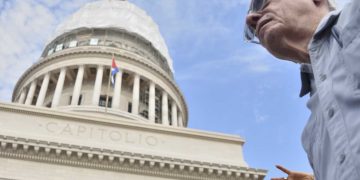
(59, 47)
(129, 107)
(94, 41)
(73, 44)
(102, 101)
(50, 51)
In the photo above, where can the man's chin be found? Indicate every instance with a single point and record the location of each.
(272, 40)
(275, 47)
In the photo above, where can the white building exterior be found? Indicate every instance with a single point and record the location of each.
(66, 122)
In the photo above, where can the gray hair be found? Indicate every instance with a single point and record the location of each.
(332, 4)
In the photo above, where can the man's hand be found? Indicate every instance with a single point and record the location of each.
(291, 175)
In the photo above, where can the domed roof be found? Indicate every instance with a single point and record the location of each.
(119, 14)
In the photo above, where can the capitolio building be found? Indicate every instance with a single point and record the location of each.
(67, 120)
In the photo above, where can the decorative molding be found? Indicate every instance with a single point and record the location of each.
(63, 115)
(106, 159)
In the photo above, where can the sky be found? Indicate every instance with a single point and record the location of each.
(230, 86)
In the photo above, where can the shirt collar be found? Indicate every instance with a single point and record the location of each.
(328, 21)
(306, 69)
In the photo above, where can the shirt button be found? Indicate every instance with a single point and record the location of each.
(342, 158)
(331, 112)
(323, 77)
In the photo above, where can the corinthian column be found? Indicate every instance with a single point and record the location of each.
(30, 95)
(43, 90)
(136, 92)
(165, 109)
(97, 86)
(174, 114)
(22, 96)
(77, 87)
(117, 90)
(180, 120)
(59, 88)
(152, 102)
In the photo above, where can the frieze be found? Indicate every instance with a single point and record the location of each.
(101, 134)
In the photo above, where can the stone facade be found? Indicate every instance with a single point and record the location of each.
(67, 122)
(44, 143)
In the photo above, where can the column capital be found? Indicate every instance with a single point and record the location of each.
(164, 93)
(136, 75)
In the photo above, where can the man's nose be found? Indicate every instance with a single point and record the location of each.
(252, 19)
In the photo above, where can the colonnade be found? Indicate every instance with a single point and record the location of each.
(27, 94)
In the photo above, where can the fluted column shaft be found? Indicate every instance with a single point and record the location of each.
(59, 88)
(117, 90)
(30, 95)
(165, 109)
(22, 97)
(174, 114)
(97, 86)
(152, 102)
(77, 87)
(43, 90)
(136, 93)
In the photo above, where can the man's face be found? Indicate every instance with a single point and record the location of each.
(282, 25)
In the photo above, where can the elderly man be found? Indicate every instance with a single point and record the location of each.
(327, 44)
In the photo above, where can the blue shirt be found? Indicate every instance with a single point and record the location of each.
(331, 137)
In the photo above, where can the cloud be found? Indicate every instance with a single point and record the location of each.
(260, 118)
(205, 26)
(253, 60)
(197, 21)
(25, 27)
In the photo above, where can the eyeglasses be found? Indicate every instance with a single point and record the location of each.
(249, 32)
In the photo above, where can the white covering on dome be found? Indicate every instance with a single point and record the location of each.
(117, 14)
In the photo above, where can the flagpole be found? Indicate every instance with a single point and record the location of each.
(108, 87)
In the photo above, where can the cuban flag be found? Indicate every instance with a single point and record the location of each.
(114, 70)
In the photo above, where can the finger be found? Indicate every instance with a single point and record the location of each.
(283, 169)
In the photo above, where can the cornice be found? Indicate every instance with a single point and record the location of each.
(108, 51)
(58, 114)
(107, 159)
